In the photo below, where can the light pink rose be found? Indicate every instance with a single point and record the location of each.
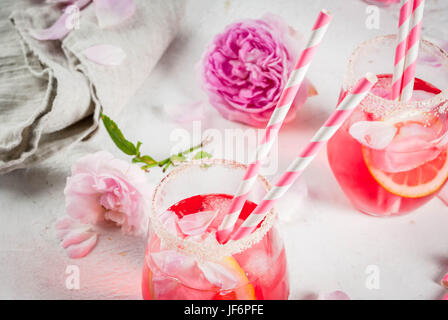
(245, 68)
(103, 188)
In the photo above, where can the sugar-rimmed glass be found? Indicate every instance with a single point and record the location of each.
(380, 182)
(174, 267)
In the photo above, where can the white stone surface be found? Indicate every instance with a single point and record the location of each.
(329, 244)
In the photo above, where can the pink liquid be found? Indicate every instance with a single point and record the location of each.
(350, 169)
(263, 264)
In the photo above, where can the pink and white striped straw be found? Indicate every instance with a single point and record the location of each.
(400, 50)
(295, 169)
(412, 46)
(275, 122)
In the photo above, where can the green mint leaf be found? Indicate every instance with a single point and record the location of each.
(202, 155)
(117, 136)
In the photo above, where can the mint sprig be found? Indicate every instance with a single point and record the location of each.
(147, 161)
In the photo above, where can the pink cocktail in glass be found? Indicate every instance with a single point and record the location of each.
(390, 157)
(183, 259)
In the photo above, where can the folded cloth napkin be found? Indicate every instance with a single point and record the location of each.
(51, 93)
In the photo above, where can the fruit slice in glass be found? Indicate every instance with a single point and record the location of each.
(183, 260)
(384, 179)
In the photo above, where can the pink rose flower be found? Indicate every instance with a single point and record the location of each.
(102, 188)
(246, 67)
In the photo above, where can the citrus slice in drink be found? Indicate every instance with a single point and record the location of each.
(416, 183)
(245, 291)
(411, 166)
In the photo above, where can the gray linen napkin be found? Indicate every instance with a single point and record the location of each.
(51, 94)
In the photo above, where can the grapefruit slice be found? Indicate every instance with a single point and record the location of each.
(416, 183)
(245, 291)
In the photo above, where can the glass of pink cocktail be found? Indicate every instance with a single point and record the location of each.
(390, 157)
(183, 259)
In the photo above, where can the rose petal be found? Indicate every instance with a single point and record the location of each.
(56, 32)
(113, 12)
(335, 295)
(65, 225)
(443, 194)
(82, 249)
(65, 222)
(63, 233)
(75, 237)
(105, 54)
(373, 134)
(60, 234)
(63, 24)
(219, 275)
(197, 223)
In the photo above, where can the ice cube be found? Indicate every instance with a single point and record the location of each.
(257, 263)
(413, 146)
(373, 134)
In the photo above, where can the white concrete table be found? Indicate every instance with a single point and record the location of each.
(330, 246)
